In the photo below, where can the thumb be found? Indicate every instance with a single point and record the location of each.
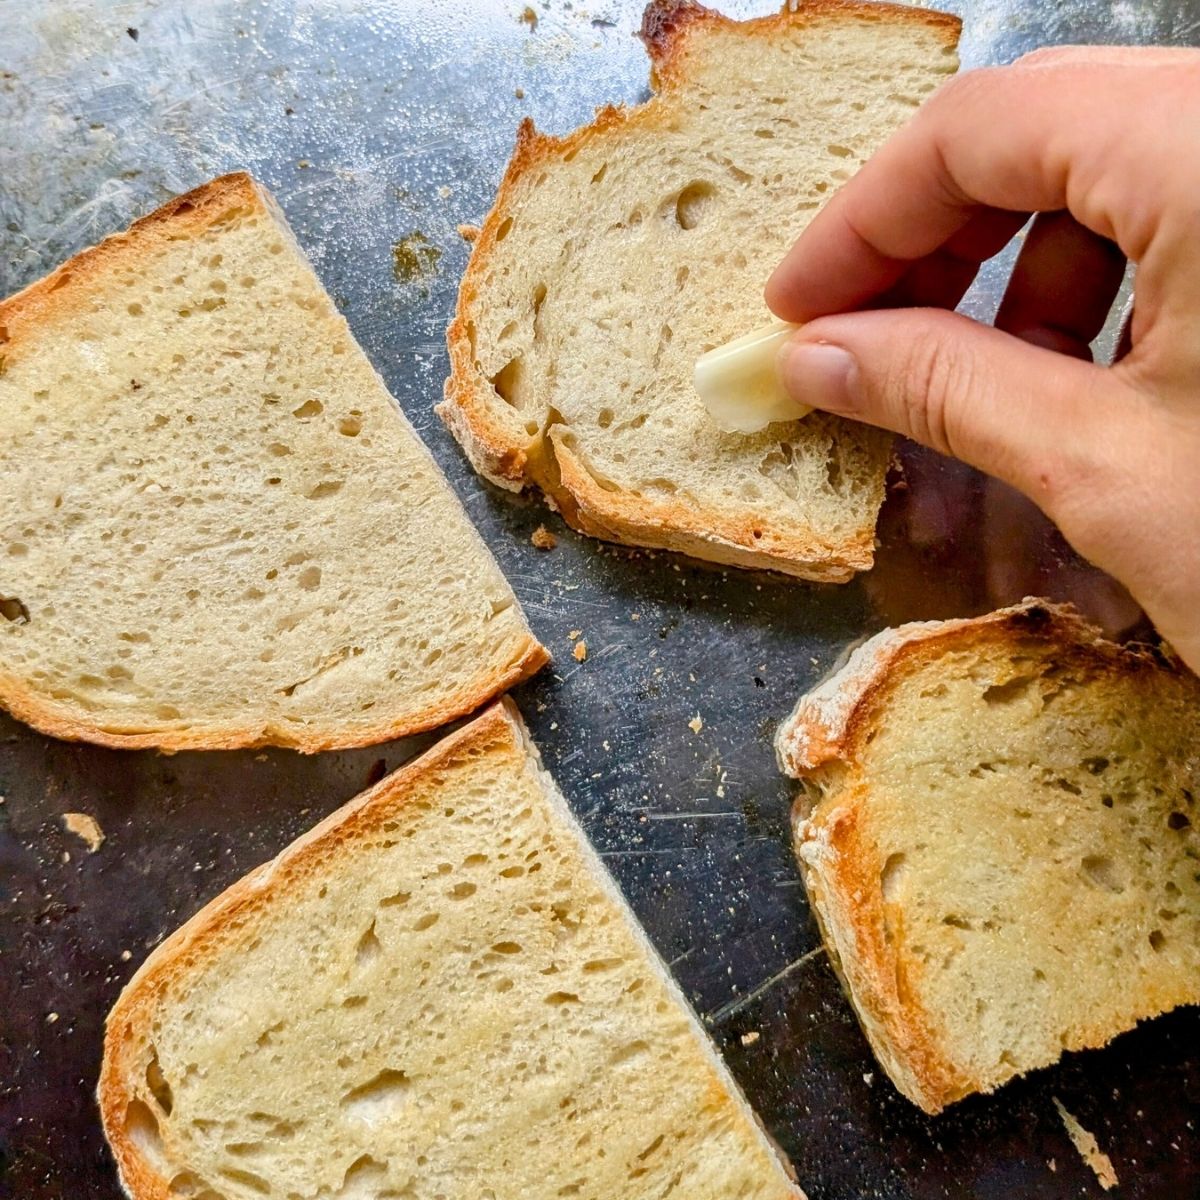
(1041, 421)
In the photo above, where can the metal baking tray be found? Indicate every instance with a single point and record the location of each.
(374, 121)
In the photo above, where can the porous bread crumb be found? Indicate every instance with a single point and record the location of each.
(543, 539)
(1088, 1147)
(580, 650)
(468, 233)
(574, 634)
(696, 723)
(749, 1038)
(86, 827)
(529, 17)
(440, 976)
(573, 357)
(218, 506)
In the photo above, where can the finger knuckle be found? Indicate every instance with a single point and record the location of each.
(924, 389)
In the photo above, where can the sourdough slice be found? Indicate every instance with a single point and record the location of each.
(998, 842)
(616, 255)
(219, 529)
(436, 994)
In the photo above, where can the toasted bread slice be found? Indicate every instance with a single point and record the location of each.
(436, 994)
(998, 842)
(219, 528)
(616, 255)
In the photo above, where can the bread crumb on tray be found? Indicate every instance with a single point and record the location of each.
(580, 650)
(1088, 1147)
(85, 827)
(543, 539)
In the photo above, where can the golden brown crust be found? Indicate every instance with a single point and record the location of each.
(825, 740)
(495, 732)
(661, 524)
(60, 720)
(45, 301)
(540, 459)
(56, 296)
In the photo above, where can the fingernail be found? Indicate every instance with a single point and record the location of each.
(821, 375)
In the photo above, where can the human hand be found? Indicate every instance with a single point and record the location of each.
(1099, 142)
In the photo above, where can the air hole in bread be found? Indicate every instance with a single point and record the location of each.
(693, 203)
(1179, 821)
(1101, 871)
(190, 1185)
(604, 418)
(504, 229)
(363, 1179)
(351, 426)
(461, 891)
(600, 174)
(310, 408)
(764, 133)
(507, 382)
(558, 998)
(595, 966)
(247, 1179)
(379, 1098)
(309, 579)
(506, 948)
(324, 489)
(428, 921)
(631, 1050)
(1158, 940)
(891, 878)
(244, 1149)
(12, 608)
(141, 1127)
(833, 472)
(368, 949)
(396, 899)
(160, 1089)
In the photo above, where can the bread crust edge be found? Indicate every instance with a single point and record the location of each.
(540, 459)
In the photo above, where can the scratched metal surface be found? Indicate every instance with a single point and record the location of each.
(372, 121)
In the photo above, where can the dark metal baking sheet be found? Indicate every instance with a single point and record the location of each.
(372, 121)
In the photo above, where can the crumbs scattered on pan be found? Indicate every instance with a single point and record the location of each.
(696, 723)
(543, 539)
(580, 650)
(468, 233)
(1088, 1147)
(85, 827)
(529, 17)
(749, 1038)
(414, 257)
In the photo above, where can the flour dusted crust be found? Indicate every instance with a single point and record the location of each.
(821, 743)
(546, 459)
(66, 292)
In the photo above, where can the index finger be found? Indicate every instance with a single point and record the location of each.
(1038, 137)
